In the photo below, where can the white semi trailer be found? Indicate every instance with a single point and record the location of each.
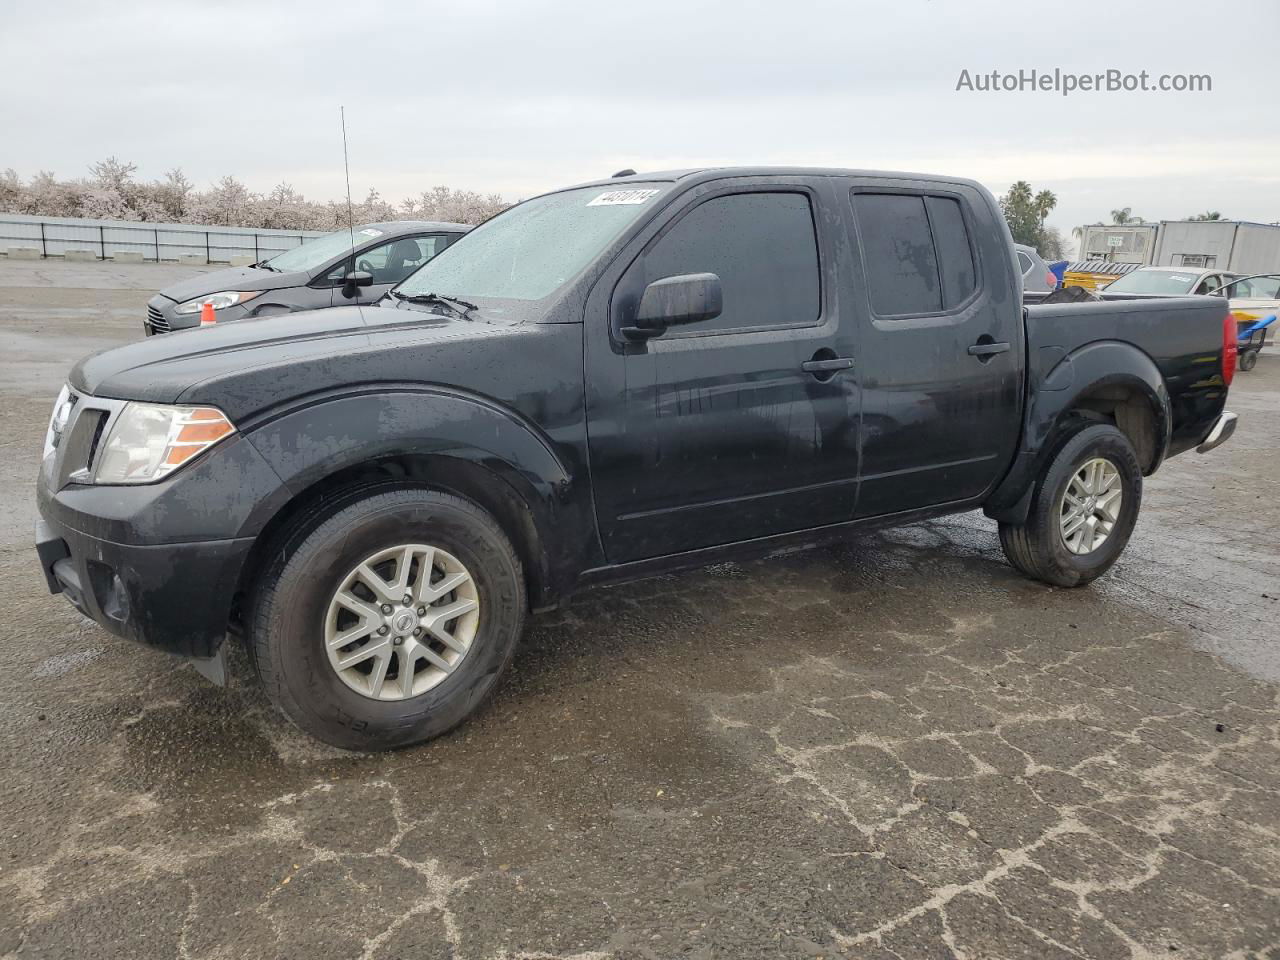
(1239, 246)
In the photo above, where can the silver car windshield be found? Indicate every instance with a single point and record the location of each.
(319, 251)
(534, 248)
(1154, 281)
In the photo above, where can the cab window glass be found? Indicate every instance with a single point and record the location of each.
(955, 254)
(762, 246)
(917, 251)
(902, 269)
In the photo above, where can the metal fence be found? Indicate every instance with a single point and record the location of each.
(55, 236)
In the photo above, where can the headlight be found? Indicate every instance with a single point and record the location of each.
(58, 421)
(220, 301)
(150, 440)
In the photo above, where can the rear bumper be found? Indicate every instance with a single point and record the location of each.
(176, 597)
(1222, 430)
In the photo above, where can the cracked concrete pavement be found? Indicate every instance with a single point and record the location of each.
(896, 748)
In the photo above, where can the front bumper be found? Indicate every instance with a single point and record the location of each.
(163, 316)
(1222, 430)
(159, 563)
(176, 597)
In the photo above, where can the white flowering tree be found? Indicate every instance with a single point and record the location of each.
(112, 192)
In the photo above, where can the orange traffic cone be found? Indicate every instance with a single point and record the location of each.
(206, 315)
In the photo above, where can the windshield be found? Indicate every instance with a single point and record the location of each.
(1255, 288)
(533, 249)
(1154, 281)
(315, 253)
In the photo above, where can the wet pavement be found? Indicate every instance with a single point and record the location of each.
(893, 748)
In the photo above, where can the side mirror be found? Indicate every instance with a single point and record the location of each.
(355, 279)
(672, 301)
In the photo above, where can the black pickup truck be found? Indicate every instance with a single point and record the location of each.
(603, 383)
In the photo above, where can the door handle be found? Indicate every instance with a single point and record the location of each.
(827, 366)
(988, 349)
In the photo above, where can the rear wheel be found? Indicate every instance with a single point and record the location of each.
(1083, 510)
(390, 621)
(1248, 360)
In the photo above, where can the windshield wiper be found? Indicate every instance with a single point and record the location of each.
(460, 307)
(263, 265)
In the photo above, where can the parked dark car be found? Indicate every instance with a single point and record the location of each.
(603, 383)
(324, 272)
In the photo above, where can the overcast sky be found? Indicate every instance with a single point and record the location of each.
(517, 98)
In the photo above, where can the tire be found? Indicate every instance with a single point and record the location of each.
(1038, 547)
(1248, 360)
(296, 603)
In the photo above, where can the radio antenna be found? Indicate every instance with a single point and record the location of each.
(346, 166)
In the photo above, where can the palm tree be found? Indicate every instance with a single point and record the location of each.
(1077, 235)
(1124, 216)
(1207, 215)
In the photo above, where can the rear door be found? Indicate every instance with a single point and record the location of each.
(716, 432)
(940, 347)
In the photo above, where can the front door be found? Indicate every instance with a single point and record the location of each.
(940, 351)
(737, 427)
(388, 263)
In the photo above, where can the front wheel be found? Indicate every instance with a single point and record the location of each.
(1083, 510)
(389, 622)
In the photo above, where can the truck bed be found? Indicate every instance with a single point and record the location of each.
(1181, 336)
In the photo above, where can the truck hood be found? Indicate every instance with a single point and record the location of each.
(236, 278)
(252, 365)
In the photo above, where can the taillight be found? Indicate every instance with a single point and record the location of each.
(1051, 280)
(1229, 348)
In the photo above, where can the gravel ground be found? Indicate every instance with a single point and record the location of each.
(896, 748)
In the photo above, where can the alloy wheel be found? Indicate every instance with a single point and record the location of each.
(401, 621)
(1091, 505)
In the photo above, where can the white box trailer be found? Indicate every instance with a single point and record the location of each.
(1236, 245)
(1131, 243)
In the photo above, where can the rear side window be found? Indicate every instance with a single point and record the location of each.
(917, 251)
(763, 248)
(1024, 263)
(901, 265)
(951, 244)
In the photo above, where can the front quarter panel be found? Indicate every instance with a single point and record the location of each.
(386, 422)
(215, 497)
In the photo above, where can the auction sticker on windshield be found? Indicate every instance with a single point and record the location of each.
(622, 196)
(370, 232)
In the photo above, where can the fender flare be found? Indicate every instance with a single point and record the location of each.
(313, 440)
(1088, 371)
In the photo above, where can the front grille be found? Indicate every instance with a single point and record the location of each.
(79, 445)
(158, 323)
(80, 441)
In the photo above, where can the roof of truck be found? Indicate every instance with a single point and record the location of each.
(717, 173)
